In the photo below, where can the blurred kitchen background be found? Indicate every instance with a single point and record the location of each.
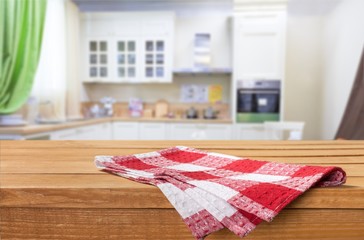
(202, 69)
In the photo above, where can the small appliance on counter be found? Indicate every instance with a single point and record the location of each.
(96, 111)
(191, 113)
(135, 107)
(210, 113)
(108, 105)
(258, 101)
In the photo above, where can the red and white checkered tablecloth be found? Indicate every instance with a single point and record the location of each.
(212, 191)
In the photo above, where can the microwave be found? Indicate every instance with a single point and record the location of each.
(258, 101)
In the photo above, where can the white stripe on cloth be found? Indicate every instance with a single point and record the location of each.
(183, 203)
(218, 190)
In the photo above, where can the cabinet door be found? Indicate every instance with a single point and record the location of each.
(188, 131)
(97, 27)
(67, 134)
(249, 132)
(98, 60)
(127, 59)
(157, 50)
(259, 45)
(125, 131)
(90, 132)
(156, 60)
(152, 131)
(87, 133)
(96, 132)
(219, 131)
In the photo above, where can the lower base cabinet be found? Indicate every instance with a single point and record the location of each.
(200, 131)
(125, 131)
(249, 131)
(170, 131)
(161, 131)
(153, 131)
(100, 131)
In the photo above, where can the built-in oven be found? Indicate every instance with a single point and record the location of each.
(258, 100)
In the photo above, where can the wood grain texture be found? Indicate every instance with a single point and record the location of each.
(48, 223)
(114, 192)
(52, 190)
(204, 144)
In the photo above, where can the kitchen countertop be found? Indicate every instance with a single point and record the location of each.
(41, 128)
(52, 190)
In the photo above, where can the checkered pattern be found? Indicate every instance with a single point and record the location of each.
(212, 191)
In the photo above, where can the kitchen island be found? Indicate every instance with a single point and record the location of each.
(52, 190)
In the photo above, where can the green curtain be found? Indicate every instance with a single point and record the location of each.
(21, 29)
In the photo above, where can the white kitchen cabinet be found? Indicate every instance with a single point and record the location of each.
(249, 131)
(157, 38)
(127, 57)
(125, 130)
(188, 131)
(157, 60)
(91, 132)
(103, 131)
(219, 131)
(259, 44)
(97, 62)
(140, 47)
(152, 131)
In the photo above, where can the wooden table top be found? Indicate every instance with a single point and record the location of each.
(62, 173)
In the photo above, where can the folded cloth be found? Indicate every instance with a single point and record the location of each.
(212, 191)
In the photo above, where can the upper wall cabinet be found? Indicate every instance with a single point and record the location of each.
(259, 44)
(218, 26)
(128, 47)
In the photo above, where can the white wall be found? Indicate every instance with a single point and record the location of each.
(324, 42)
(344, 40)
(303, 83)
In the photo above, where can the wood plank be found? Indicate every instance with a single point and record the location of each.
(85, 164)
(52, 190)
(293, 159)
(241, 153)
(104, 180)
(82, 191)
(71, 224)
(205, 144)
(100, 180)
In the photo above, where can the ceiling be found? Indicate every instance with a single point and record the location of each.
(153, 5)
(302, 7)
